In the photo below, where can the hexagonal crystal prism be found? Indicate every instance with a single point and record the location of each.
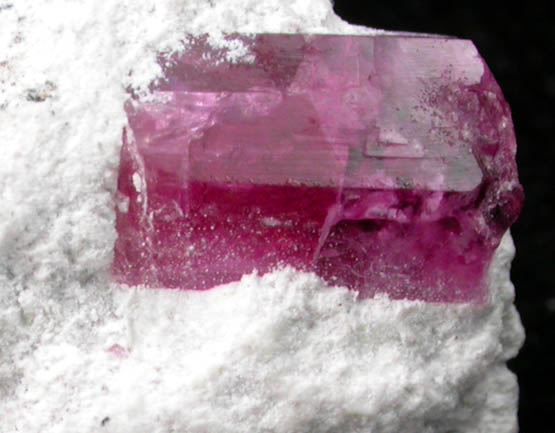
(385, 164)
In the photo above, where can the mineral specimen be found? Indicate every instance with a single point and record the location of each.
(385, 164)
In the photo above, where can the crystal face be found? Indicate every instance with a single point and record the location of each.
(385, 164)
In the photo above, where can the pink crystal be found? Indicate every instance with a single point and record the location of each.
(385, 164)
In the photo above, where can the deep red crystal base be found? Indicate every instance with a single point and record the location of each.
(384, 164)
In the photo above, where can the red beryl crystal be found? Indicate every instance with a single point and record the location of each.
(384, 164)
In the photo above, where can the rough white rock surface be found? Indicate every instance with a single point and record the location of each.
(277, 353)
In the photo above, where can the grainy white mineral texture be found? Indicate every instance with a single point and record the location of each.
(277, 353)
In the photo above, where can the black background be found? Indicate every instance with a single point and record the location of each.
(517, 41)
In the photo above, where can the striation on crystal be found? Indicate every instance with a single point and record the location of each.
(384, 164)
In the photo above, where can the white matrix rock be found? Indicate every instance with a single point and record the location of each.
(280, 353)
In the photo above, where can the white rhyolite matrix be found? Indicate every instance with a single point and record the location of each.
(279, 353)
